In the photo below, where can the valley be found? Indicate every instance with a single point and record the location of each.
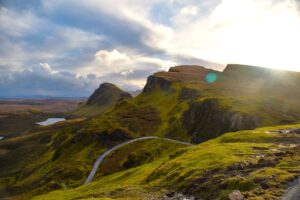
(193, 133)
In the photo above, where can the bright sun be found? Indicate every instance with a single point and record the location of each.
(250, 32)
(262, 36)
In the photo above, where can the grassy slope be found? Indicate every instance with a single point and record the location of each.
(270, 95)
(60, 158)
(14, 123)
(88, 111)
(47, 159)
(157, 112)
(153, 113)
(210, 170)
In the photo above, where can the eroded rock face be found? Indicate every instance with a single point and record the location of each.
(184, 73)
(207, 119)
(107, 94)
(155, 81)
(188, 94)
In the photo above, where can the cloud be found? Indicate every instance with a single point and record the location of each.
(115, 61)
(108, 58)
(122, 68)
(42, 80)
(264, 33)
(189, 10)
(126, 73)
(125, 41)
(27, 39)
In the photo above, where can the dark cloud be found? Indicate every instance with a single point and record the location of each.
(42, 81)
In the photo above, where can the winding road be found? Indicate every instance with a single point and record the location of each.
(106, 153)
(293, 193)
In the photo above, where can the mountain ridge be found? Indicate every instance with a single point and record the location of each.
(181, 104)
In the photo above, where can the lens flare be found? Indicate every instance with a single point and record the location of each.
(211, 77)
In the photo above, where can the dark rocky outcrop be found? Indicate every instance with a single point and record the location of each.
(156, 81)
(107, 94)
(208, 119)
(188, 94)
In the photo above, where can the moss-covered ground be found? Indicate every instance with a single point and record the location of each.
(258, 163)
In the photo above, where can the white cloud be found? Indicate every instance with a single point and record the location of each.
(111, 58)
(189, 10)
(158, 36)
(44, 67)
(107, 62)
(11, 24)
(127, 72)
(264, 33)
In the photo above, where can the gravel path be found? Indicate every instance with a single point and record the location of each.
(293, 192)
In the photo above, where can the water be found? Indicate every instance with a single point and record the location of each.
(50, 121)
(1, 137)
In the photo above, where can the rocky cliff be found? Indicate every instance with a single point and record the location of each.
(241, 97)
(181, 74)
(208, 119)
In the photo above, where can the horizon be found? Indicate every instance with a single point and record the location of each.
(67, 48)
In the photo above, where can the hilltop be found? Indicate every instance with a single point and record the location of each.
(103, 98)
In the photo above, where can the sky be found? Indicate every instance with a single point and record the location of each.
(66, 48)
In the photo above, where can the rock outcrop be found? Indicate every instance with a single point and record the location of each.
(156, 81)
(184, 73)
(208, 119)
(107, 94)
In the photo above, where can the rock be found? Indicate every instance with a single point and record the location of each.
(238, 166)
(170, 194)
(265, 185)
(184, 73)
(260, 148)
(155, 81)
(107, 94)
(265, 163)
(236, 195)
(188, 93)
(208, 119)
(177, 196)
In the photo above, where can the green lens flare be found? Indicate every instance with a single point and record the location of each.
(211, 77)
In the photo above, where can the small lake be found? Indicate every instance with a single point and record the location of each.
(1, 137)
(50, 121)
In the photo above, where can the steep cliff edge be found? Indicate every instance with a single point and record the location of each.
(208, 119)
(241, 97)
(180, 74)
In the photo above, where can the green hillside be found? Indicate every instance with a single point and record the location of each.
(187, 103)
(183, 104)
(253, 162)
